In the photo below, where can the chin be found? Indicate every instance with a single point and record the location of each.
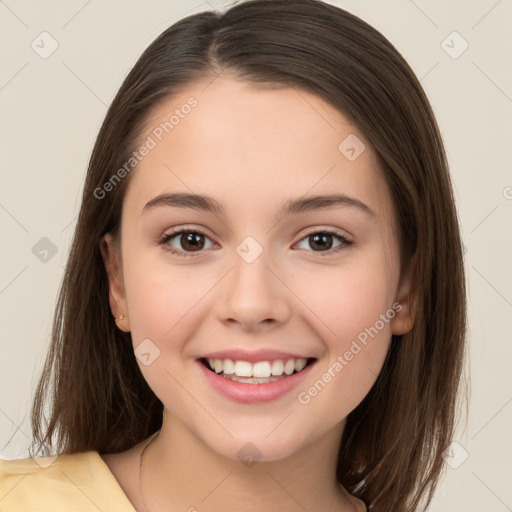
(257, 446)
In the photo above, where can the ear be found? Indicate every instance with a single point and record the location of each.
(117, 299)
(403, 320)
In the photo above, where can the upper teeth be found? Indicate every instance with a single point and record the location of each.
(259, 369)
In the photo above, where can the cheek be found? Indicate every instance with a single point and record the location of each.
(160, 296)
(353, 311)
(161, 301)
(346, 299)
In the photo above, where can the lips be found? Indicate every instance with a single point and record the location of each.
(250, 377)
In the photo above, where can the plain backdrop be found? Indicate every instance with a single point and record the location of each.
(53, 104)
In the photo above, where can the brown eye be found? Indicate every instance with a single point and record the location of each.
(191, 241)
(185, 241)
(322, 242)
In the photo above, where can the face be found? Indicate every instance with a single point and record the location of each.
(250, 281)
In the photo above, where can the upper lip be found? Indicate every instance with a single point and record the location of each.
(252, 356)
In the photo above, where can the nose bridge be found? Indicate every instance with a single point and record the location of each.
(253, 294)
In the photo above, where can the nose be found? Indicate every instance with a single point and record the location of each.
(254, 295)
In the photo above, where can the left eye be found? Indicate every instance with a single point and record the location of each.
(322, 238)
(193, 241)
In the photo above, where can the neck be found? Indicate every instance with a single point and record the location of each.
(180, 472)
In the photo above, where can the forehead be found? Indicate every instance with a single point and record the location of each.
(253, 147)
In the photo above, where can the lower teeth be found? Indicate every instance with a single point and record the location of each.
(253, 380)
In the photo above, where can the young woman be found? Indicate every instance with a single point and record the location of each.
(264, 303)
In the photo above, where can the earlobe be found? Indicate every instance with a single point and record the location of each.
(112, 261)
(404, 318)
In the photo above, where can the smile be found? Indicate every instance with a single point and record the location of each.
(259, 381)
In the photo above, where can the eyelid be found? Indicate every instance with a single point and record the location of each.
(189, 229)
(327, 229)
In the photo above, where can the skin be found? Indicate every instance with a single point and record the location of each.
(253, 149)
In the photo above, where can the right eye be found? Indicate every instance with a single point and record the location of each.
(190, 240)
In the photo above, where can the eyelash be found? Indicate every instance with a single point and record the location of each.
(342, 238)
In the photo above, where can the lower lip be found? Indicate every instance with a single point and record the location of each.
(253, 393)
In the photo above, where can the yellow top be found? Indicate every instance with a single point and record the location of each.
(80, 482)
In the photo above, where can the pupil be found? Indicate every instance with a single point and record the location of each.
(322, 237)
(192, 239)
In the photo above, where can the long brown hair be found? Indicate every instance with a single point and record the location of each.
(391, 451)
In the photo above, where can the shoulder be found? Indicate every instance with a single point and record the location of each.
(80, 481)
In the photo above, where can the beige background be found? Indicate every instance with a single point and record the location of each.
(52, 109)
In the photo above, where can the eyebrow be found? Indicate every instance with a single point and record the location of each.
(293, 206)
